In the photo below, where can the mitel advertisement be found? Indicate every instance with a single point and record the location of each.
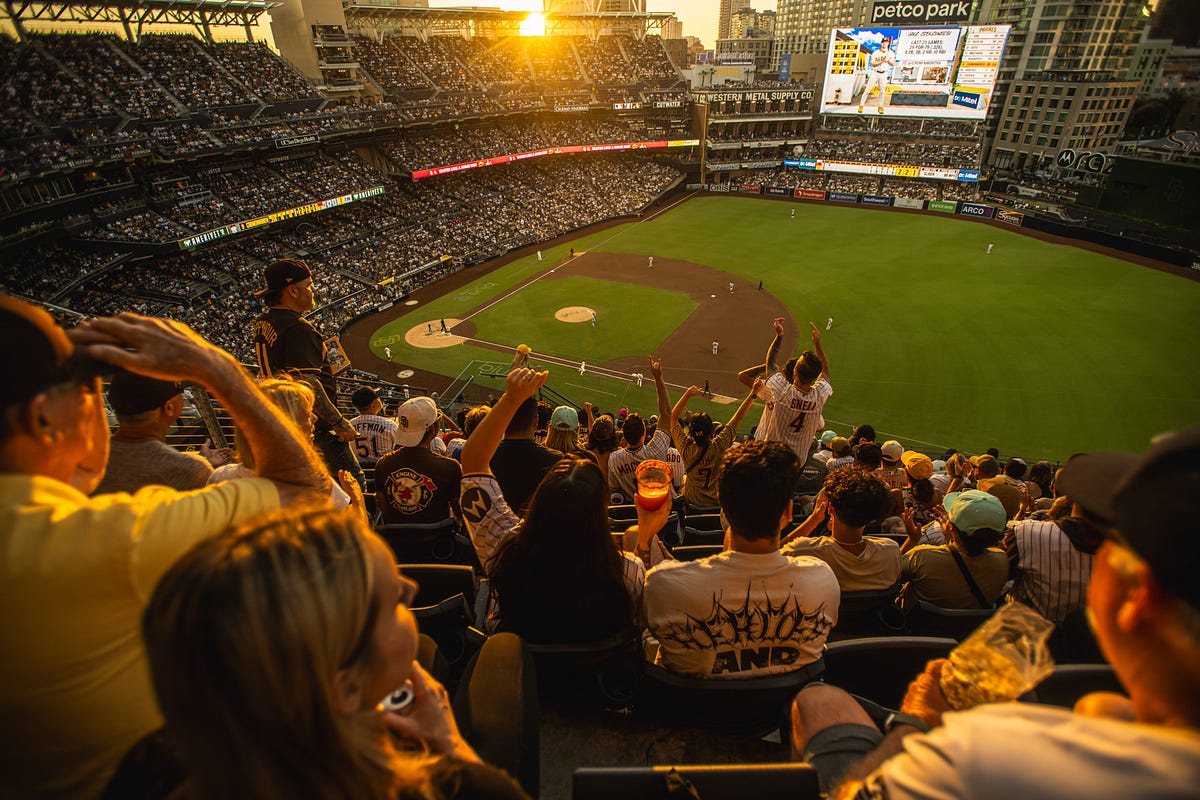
(946, 72)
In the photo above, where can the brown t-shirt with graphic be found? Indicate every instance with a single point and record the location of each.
(413, 485)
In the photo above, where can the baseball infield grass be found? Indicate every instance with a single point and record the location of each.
(1038, 349)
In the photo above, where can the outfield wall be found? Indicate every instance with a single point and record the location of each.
(979, 211)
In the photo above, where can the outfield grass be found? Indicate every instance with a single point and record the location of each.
(1038, 349)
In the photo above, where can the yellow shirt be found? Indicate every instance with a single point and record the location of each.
(75, 575)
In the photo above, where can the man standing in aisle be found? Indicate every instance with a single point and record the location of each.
(284, 341)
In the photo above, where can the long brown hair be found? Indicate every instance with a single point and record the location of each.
(245, 634)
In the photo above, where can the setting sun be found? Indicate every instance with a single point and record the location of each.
(534, 24)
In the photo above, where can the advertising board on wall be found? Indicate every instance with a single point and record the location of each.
(946, 72)
(976, 210)
(947, 206)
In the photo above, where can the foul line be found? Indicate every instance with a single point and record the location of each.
(570, 259)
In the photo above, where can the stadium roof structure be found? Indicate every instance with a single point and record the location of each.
(201, 14)
(493, 22)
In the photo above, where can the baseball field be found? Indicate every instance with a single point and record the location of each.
(1038, 348)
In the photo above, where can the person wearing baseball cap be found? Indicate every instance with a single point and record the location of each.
(284, 341)
(78, 570)
(1144, 604)
(376, 433)
(918, 497)
(891, 471)
(138, 454)
(414, 485)
(969, 571)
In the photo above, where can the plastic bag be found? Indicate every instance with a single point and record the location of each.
(1004, 658)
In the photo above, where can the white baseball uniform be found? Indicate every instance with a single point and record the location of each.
(990, 246)
(877, 75)
(829, 323)
(716, 346)
(792, 416)
(651, 262)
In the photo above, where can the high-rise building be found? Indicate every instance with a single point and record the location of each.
(725, 14)
(1064, 87)
(802, 26)
(672, 28)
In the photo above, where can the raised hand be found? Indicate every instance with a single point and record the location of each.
(656, 366)
(523, 383)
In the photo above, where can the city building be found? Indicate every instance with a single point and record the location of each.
(725, 14)
(1064, 91)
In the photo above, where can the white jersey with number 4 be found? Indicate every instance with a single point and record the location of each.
(792, 416)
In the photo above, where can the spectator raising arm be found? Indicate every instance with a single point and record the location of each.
(481, 445)
(660, 389)
(816, 340)
(172, 351)
(746, 377)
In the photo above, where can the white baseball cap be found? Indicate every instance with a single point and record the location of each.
(414, 418)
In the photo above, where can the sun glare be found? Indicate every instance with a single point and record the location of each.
(534, 24)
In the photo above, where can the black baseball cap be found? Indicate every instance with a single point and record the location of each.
(363, 398)
(130, 393)
(283, 273)
(37, 353)
(1150, 503)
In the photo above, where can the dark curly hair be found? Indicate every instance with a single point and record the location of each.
(857, 497)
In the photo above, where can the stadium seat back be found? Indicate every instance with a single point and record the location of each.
(760, 781)
(751, 707)
(881, 668)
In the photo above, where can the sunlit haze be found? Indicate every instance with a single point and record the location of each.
(699, 17)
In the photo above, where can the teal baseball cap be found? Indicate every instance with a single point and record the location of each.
(974, 510)
(827, 437)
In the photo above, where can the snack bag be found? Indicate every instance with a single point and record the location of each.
(1006, 657)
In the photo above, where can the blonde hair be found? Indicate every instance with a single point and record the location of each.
(564, 441)
(295, 398)
(245, 634)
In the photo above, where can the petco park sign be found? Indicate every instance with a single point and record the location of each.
(912, 12)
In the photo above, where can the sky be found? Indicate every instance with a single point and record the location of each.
(699, 17)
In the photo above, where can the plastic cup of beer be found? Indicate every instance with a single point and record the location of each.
(653, 484)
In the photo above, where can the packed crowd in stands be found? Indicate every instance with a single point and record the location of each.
(470, 217)
(1092, 563)
(861, 184)
(877, 151)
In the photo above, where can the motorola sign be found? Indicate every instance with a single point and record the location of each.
(1089, 162)
(914, 12)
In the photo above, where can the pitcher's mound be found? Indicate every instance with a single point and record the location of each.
(573, 314)
(429, 334)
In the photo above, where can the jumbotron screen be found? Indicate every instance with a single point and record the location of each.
(945, 72)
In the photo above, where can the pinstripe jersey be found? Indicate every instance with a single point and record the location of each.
(792, 416)
(1054, 575)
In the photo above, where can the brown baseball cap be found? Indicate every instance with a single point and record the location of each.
(38, 353)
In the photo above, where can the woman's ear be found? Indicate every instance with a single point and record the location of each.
(348, 690)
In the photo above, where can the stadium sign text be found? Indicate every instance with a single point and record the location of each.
(810, 194)
(875, 200)
(907, 12)
(296, 141)
(842, 197)
(1011, 217)
(947, 206)
(754, 97)
(976, 210)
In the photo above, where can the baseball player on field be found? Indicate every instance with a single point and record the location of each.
(878, 67)
(793, 412)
